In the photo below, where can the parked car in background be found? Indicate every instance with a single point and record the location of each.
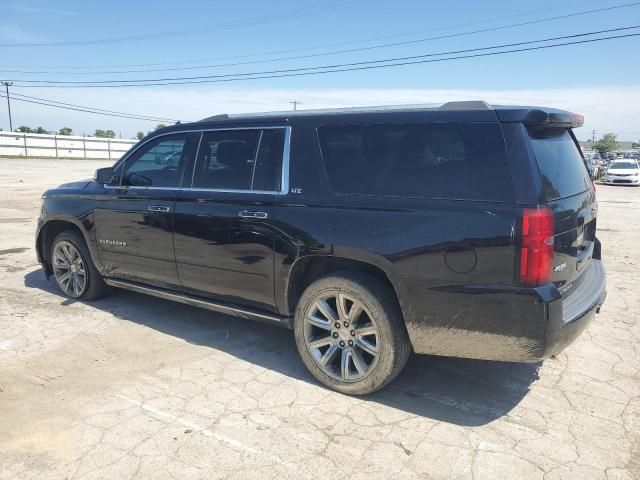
(466, 230)
(623, 172)
(597, 169)
(591, 167)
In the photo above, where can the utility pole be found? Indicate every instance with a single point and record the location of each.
(593, 136)
(6, 86)
(295, 104)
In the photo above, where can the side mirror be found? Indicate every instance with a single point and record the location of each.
(103, 175)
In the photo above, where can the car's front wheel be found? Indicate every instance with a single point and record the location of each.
(350, 333)
(73, 269)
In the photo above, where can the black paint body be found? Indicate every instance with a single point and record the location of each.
(453, 264)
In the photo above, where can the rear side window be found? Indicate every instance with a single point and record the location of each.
(561, 165)
(240, 160)
(456, 161)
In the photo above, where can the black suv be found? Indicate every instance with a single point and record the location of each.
(465, 230)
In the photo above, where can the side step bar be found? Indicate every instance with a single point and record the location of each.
(286, 322)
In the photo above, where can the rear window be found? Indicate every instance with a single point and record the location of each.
(456, 161)
(562, 168)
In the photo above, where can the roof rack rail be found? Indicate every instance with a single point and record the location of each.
(461, 105)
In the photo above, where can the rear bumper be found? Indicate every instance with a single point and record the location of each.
(506, 323)
(569, 317)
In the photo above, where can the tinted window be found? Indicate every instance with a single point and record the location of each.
(268, 172)
(460, 161)
(562, 168)
(240, 160)
(157, 163)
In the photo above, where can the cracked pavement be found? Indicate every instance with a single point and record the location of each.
(137, 387)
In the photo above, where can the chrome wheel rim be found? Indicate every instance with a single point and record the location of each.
(341, 336)
(69, 269)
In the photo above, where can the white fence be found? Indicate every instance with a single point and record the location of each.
(16, 144)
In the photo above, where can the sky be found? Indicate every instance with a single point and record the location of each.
(80, 41)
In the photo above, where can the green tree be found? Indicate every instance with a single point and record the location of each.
(140, 135)
(41, 130)
(24, 129)
(105, 133)
(607, 143)
(160, 125)
(65, 131)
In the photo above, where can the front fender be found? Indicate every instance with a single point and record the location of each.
(51, 225)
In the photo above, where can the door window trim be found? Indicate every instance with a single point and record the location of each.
(122, 162)
(284, 181)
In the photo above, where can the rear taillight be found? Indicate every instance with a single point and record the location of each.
(536, 254)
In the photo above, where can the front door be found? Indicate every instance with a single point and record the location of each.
(223, 220)
(134, 220)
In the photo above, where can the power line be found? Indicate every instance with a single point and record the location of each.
(329, 45)
(221, 26)
(407, 60)
(51, 103)
(337, 52)
(94, 108)
(370, 67)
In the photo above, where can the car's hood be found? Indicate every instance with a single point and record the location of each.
(77, 184)
(623, 171)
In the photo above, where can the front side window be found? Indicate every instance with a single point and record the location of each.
(455, 161)
(156, 164)
(240, 160)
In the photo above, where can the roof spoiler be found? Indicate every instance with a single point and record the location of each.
(538, 116)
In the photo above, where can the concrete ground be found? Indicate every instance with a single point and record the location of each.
(137, 387)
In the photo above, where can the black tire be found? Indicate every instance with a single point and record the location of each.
(95, 287)
(393, 345)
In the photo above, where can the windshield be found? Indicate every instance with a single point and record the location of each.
(623, 165)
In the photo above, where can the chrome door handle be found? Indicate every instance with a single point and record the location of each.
(158, 208)
(248, 214)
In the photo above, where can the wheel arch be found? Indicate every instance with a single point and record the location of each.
(308, 269)
(48, 231)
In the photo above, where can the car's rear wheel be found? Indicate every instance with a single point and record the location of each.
(73, 269)
(350, 333)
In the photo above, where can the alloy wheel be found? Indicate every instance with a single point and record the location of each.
(341, 336)
(69, 269)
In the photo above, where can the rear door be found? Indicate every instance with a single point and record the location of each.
(569, 192)
(224, 236)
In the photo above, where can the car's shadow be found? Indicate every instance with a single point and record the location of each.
(459, 391)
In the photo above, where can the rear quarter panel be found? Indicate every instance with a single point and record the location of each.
(451, 264)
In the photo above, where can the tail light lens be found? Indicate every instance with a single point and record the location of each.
(536, 255)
